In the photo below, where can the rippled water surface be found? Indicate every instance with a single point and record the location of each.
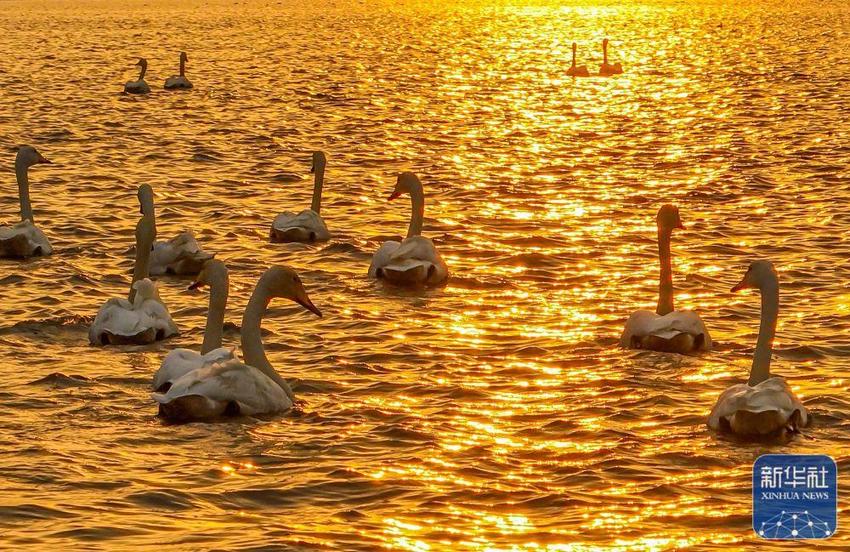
(496, 413)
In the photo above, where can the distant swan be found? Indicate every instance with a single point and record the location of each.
(139, 86)
(606, 69)
(764, 406)
(182, 361)
(308, 225)
(415, 261)
(666, 329)
(577, 71)
(23, 239)
(179, 82)
(141, 318)
(232, 387)
(179, 255)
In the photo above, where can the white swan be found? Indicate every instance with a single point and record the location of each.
(308, 225)
(415, 261)
(607, 69)
(23, 239)
(233, 387)
(179, 255)
(141, 318)
(139, 86)
(764, 406)
(182, 361)
(179, 82)
(666, 329)
(574, 71)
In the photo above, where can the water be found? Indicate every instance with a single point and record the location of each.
(496, 413)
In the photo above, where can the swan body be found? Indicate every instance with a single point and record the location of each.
(765, 406)
(666, 329)
(308, 225)
(139, 86)
(179, 255)
(608, 69)
(179, 82)
(179, 362)
(575, 71)
(23, 239)
(235, 387)
(415, 260)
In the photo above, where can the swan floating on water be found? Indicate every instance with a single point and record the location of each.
(415, 261)
(23, 239)
(574, 71)
(179, 82)
(142, 318)
(139, 86)
(606, 69)
(765, 406)
(233, 387)
(180, 362)
(180, 255)
(308, 225)
(666, 329)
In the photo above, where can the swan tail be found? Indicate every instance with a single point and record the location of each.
(408, 273)
(764, 424)
(144, 337)
(17, 246)
(188, 408)
(292, 234)
(682, 342)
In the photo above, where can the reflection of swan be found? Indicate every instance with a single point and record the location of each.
(179, 82)
(139, 86)
(666, 329)
(182, 361)
(232, 387)
(179, 255)
(308, 225)
(23, 239)
(606, 69)
(142, 317)
(577, 71)
(764, 406)
(415, 261)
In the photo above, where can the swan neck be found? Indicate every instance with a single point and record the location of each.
(182, 67)
(142, 71)
(574, 57)
(145, 237)
(319, 181)
(252, 339)
(665, 285)
(605, 53)
(22, 174)
(219, 289)
(767, 331)
(417, 200)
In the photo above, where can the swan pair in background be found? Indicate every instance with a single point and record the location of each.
(24, 239)
(605, 70)
(175, 82)
(191, 386)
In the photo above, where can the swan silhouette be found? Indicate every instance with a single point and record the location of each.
(24, 239)
(607, 69)
(179, 82)
(574, 71)
(139, 86)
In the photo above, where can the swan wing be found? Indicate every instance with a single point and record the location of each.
(772, 396)
(382, 257)
(23, 239)
(156, 314)
(117, 317)
(180, 255)
(416, 260)
(646, 323)
(180, 362)
(307, 223)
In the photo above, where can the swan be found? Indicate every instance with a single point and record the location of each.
(415, 261)
(179, 255)
(139, 86)
(23, 239)
(764, 406)
(666, 329)
(574, 71)
(179, 82)
(141, 318)
(308, 225)
(182, 361)
(606, 69)
(233, 387)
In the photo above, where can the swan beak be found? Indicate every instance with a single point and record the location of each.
(680, 226)
(739, 286)
(42, 159)
(195, 285)
(305, 302)
(393, 196)
(312, 168)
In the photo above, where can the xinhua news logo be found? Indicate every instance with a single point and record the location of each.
(795, 496)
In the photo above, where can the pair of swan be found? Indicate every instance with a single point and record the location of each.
(763, 407)
(191, 386)
(605, 70)
(175, 82)
(413, 262)
(24, 239)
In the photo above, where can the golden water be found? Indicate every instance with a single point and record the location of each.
(496, 413)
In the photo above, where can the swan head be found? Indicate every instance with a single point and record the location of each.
(668, 218)
(283, 282)
(760, 275)
(29, 156)
(142, 63)
(212, 271)
(604, 42)
(319, 161)
(405, 184)
(145, 199)
(574, 47)
(183, 57)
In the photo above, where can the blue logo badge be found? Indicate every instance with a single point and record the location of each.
(795, 496)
